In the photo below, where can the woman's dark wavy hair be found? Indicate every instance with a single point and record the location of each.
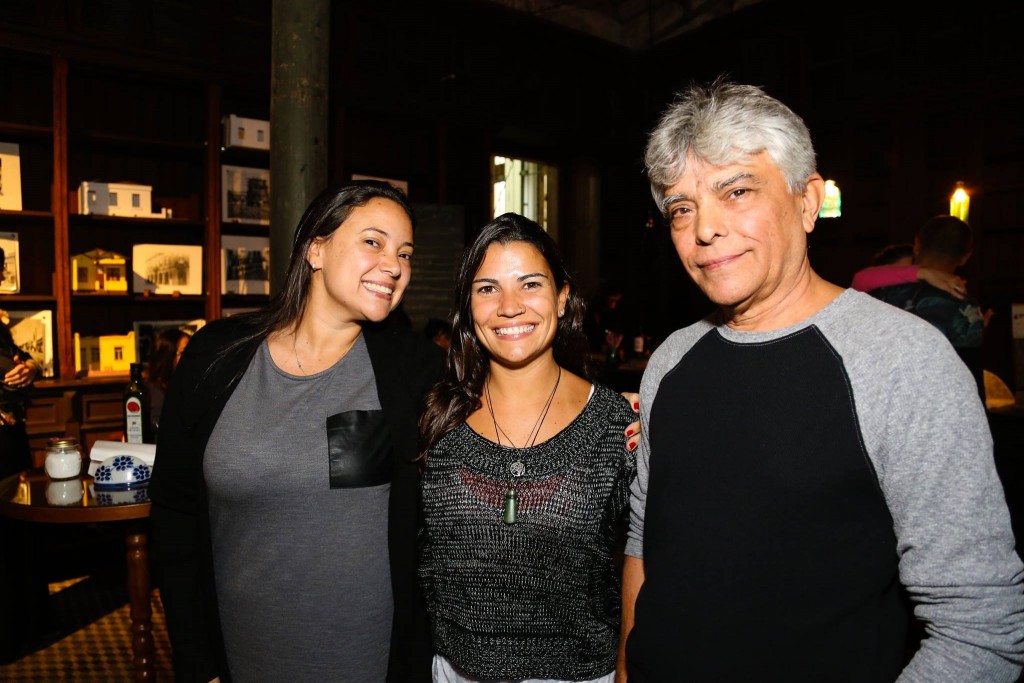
(322, 217)
(455, 397)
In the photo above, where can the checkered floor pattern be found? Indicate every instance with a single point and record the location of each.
(91, 639)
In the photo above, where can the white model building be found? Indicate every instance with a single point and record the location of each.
(242, 132)
(117, 199)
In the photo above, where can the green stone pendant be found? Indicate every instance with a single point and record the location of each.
(511, 507)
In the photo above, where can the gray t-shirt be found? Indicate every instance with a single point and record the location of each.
(302, 573)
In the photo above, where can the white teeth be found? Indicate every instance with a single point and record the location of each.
(519, 329)
(374, 287)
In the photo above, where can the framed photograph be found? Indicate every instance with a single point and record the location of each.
(33, 333)
(10, 279)
(167, 268)
(228, 312)
(245, 195)
(402, 185)
(146, 332)
(10, 176)
(244, 265)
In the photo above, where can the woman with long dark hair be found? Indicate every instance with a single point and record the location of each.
(285, 492)
(526, 476)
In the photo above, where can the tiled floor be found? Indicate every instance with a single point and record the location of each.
(89, 639)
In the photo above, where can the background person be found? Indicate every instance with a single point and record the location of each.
(285, 502)
(805, 449)
(25, 591)
(526, 475)
(18, 371)
(894, 265)
(439, 331)
(944, 244)
(168, 345)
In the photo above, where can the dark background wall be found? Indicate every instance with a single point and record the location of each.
(900, 107)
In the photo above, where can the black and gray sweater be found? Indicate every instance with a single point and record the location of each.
(538, 598)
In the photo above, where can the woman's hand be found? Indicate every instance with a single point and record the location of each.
(633, 430)
(22, 374)
(947, 282)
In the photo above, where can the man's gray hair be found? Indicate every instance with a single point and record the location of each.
(722, 123)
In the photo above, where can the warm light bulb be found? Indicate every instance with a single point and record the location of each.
(960, 202)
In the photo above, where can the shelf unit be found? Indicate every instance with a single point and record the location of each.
(79, 120)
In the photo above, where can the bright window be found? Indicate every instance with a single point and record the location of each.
(526, 187)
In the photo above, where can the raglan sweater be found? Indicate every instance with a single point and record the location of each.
(791, 481)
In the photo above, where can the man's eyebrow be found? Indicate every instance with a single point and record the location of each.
(716, 187)
(726, 182)
(672, 199)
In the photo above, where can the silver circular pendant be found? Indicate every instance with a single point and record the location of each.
(517, 469)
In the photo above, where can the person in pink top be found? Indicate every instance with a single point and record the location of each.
(894, 266)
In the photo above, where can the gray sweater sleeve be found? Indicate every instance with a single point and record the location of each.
(926, 433)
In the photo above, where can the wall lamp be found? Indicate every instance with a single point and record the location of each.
(960, 202)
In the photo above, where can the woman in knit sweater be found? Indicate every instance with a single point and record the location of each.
(526, 476)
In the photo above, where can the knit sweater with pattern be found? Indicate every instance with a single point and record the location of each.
(538, 598)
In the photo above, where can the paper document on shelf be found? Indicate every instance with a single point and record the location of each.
(101, 450)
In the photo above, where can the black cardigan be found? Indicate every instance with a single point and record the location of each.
(405, 365)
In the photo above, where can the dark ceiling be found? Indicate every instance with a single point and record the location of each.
(635, 24)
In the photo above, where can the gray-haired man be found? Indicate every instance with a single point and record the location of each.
(806, 450)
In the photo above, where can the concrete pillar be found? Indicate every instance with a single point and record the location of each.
(300, 45)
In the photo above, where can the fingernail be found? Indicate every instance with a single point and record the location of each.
(636, 406)
(629, 432)
(631, 446)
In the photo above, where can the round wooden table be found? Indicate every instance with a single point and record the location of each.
(31, 496)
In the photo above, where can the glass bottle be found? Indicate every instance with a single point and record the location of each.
(137, 426)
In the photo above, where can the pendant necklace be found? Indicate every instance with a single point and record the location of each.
(516, 468)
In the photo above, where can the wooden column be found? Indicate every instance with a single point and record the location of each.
(59, 207)
(299, 85)
(211, 233)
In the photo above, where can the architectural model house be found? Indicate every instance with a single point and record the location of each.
(110, 354)
(242, 132)
(117, 199)
(99, 270)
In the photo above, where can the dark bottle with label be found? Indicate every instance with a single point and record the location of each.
(135, 405)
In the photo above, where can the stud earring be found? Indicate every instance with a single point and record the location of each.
(314, 267)
(561, 313)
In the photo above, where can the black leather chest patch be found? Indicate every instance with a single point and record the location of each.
(359, 449)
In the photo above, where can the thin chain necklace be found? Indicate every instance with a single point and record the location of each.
(517, 468)
(295, 353)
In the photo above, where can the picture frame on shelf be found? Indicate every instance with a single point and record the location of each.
(167, 268)
(10, 176)
(244, 265)
(146, 332)
(228, 312)
(33, 333)
(245, 195)
(402, 185)
(10, 275)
